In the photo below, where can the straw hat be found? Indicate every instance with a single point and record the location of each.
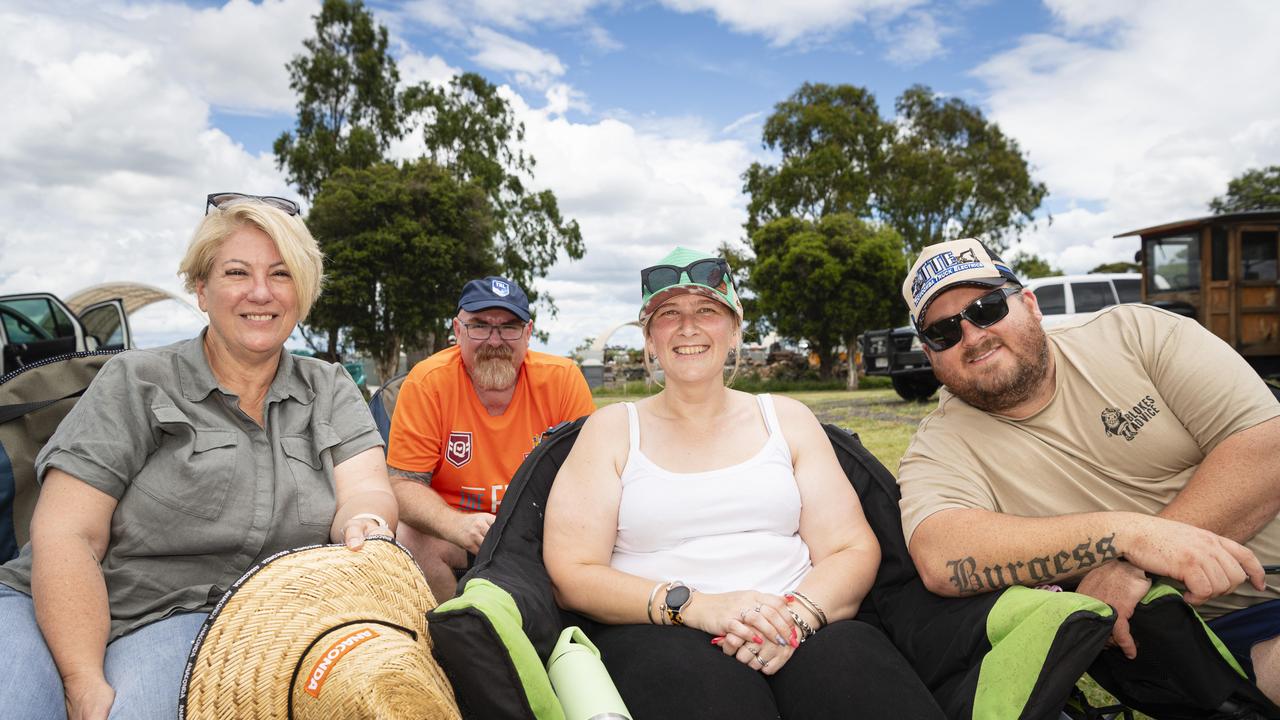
(320, 632)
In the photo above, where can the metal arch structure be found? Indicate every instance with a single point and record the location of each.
(594, 355)
(602, 341)
(134, 295)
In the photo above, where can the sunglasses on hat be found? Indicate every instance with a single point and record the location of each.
(223, 199)
(712, 272)
(983, 312)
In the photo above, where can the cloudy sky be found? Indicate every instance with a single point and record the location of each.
(121, 116)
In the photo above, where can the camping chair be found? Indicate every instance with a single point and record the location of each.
(1017, 653)
(383, 406)
(33, 400)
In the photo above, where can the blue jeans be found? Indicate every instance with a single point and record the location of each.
(144, 667)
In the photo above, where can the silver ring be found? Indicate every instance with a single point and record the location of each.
(763, 663)
(742, 615)
(754, 651)
(757, 608)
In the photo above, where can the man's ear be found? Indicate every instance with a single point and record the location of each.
(1033, 304)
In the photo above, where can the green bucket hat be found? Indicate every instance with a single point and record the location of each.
(686, 271)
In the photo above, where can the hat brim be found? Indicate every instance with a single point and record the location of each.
(478, 305)
(247, 655)
(657, 299)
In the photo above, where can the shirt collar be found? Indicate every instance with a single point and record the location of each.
(198, 380)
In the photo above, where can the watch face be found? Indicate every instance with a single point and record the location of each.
(677, 597)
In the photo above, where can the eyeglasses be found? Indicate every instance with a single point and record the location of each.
(221, 200)
(712, 272)
(483, 331)
(983, 312)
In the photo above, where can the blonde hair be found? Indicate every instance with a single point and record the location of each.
(297, 248)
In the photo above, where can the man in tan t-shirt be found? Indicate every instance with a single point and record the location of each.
(1130, 442)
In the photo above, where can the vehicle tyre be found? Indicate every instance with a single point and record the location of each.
(917, 388)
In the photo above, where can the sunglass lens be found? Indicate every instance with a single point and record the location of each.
(942, 334)
(988, 309)
(706, 272)
(280, 203)
(661, 277)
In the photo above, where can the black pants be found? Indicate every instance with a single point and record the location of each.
(847, 670)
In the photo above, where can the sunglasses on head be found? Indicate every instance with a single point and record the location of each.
(983, 312)
(221, 200)
(712, 272)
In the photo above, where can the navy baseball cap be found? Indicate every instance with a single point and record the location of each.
(494, 292)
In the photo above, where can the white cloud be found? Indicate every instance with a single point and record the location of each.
(917, 37)
(503, 53)
(106, 165)
(1139, 112)
(800, 20)
(510, 14)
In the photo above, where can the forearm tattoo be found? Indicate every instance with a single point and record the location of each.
(422, 477)
(969, 579)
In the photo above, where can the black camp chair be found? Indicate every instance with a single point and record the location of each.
(383, 405)
(1012, 654)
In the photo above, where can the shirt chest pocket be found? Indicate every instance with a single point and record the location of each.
(312, 471)
(194, 467)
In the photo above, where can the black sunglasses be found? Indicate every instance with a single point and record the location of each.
(223, 199)
(983, 312)
(712, 272)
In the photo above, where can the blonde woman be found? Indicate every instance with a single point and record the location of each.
(179, 469)
(714, 536)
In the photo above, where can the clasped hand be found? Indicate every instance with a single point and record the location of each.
(754, 627)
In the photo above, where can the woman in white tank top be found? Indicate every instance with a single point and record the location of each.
(727, 514)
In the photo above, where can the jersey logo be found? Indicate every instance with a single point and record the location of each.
(1118, 423)
(458, 450)
(500, 288)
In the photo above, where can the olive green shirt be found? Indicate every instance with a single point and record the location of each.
(203, 492)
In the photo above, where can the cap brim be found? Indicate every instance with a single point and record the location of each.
(478, 305)
(666, 294)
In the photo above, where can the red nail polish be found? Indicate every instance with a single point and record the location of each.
(793, 633)
(717, 640)
(789, 597)
(757, 639)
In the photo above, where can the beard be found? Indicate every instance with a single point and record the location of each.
(493, 368)
(1003, 388)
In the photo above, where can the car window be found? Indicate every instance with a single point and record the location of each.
(103, 322)
(1090, 296)
(1129, 290)
(43, 312)
(1050, 299)
(20, 329)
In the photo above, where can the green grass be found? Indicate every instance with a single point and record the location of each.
(885, 423)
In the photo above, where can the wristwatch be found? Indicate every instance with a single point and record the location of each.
(677, 598)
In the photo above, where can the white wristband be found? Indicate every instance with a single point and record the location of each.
(370, 516)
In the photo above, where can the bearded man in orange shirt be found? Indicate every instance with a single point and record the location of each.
(465, 419)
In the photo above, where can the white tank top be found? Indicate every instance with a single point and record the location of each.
(736, 528)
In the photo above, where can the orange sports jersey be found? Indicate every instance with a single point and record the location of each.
(440, 427)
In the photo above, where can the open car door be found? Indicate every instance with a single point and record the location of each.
(38, 326)
(108, 324)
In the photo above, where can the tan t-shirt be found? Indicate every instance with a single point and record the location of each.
(1142, 396)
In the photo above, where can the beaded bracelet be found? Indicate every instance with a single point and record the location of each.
(806, 630)
(812, 607)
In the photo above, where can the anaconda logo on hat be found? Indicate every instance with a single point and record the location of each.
(941, 266)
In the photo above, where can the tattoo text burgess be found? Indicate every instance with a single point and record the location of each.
(969, 579)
